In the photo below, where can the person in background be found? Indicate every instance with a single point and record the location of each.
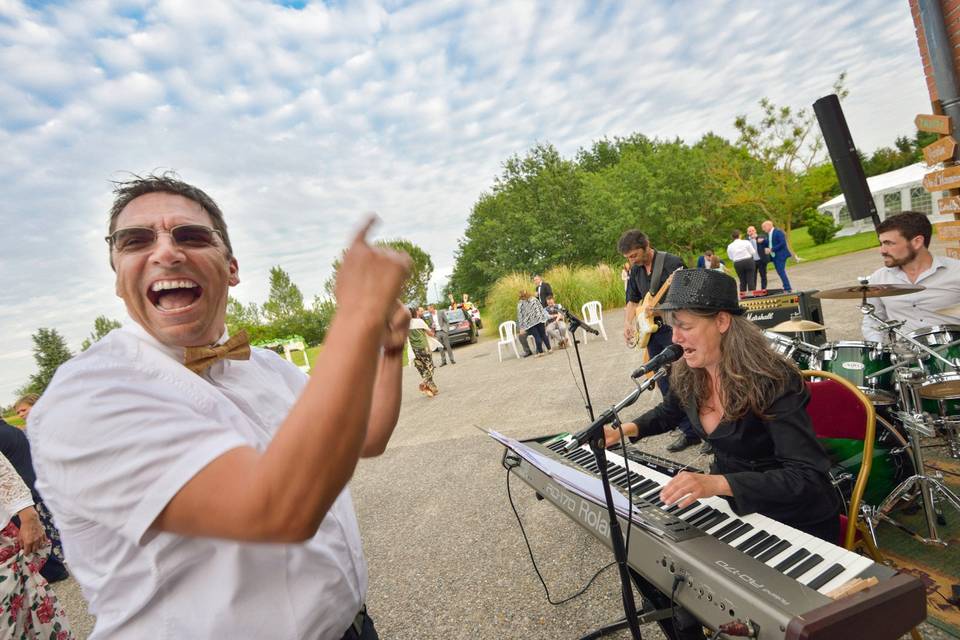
(716, 265)
(16, 448)
(743, 256)
(778, 251)
(625, 275)
(703, 260)
(544, 290)
(646, 277)
(532, 318)
(419, 339)
(759, 243)
(30, 610)
(556, 327)
(441, 330)
(24, 403)
(904, 246)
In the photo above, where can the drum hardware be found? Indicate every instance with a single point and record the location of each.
(929, 485)
(802, 353)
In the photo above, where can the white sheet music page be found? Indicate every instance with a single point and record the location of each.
(584, 485)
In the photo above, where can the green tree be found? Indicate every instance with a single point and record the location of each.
(102, 325)
(49, 351)
(786, 143)
(285, 299)
(415, 288)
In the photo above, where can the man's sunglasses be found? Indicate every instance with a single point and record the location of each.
(130, 239)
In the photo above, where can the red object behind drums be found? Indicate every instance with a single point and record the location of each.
(834, 411)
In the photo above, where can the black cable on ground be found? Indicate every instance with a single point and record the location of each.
(534, 562)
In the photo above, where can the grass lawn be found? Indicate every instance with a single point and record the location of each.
(803, 245)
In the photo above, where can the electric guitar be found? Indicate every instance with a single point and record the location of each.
(646, 326)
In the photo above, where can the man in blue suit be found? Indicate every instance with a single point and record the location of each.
(778, 251)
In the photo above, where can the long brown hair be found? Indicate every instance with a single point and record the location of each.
(751, 374)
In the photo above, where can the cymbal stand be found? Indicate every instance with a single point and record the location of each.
(930, 487)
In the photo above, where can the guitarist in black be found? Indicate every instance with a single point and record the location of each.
(649, 269)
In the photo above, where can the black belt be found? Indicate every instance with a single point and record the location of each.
(355, 630)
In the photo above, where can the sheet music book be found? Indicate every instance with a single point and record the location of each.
(582, 484)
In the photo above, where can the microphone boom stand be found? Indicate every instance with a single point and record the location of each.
(597, 443)
(574, 325)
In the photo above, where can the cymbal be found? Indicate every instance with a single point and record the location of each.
(953, 310)
(793, 326)
(872, 291)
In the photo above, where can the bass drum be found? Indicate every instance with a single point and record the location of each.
(892, 463)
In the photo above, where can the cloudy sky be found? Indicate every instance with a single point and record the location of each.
(298, 117)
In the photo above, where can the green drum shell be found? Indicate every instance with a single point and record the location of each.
(943, 380)
(855, 360)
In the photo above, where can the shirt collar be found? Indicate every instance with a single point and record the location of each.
(173, 351)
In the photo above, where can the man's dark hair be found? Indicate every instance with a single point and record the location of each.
(632, 239)
(708, 252)
(735, 235)
(910, 224)
(167, 182)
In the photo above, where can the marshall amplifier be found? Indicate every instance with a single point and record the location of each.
(767, 311)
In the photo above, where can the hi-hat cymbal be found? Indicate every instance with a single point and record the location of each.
(872, 291)
(793, 326)
(952, 310)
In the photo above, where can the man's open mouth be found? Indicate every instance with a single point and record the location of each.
(174, 295)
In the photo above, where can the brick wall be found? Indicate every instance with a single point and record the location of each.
(951, 17)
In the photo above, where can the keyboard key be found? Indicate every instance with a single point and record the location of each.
(826, 576)
(805, 566)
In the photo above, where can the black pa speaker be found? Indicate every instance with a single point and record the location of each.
(846, 163)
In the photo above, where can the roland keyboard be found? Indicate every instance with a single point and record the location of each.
(749, 569)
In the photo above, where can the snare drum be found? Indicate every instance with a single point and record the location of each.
(856, 361)
(796, 350)
(942, 381)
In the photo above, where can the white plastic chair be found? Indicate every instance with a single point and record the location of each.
(288, 350)
(508, 334)
(593, 315)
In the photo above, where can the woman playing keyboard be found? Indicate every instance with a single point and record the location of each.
(748, 402)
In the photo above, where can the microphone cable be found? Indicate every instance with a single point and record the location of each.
(533, 560)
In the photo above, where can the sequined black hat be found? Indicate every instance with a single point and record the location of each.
(702, 290)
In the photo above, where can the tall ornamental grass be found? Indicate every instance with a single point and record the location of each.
(572, 286)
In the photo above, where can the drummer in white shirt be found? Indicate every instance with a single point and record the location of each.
(744, 257)
(904, 245)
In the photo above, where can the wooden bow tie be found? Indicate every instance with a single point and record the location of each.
(197, 359)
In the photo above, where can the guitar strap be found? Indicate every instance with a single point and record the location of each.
(656, 272)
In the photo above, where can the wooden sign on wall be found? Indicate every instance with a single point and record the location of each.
(948, 178)
(933, 124)
(948, 230)
(949, 205)
(940, 151)
(953, 252)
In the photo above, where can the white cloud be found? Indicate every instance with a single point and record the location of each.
(298, 121)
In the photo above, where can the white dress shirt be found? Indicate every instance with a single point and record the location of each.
(122, 427)
(741, 249)
(942, 289)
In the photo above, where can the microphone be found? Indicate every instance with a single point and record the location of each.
(668, 355)
(583, 325)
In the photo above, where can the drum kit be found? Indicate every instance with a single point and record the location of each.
(913, 380)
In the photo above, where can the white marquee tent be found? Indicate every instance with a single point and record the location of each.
(893, 192)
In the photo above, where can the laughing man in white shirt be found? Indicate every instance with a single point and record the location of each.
(904, 245)
(211, 501)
